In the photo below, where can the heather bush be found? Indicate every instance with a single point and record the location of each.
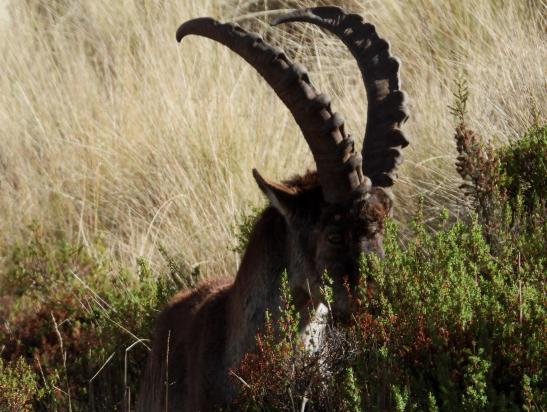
(76, 327)
(18, 386)
(513, 175)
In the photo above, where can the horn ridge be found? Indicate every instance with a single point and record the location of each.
(379, 69)
(322, 129)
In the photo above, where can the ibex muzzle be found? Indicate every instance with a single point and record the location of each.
(316, 223)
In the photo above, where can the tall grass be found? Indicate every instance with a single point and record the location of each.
(113, 134)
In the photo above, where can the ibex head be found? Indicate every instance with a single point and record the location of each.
(325, 237)
(337, 214)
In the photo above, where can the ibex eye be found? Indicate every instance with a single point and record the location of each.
(335, 238)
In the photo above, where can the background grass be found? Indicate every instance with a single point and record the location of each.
(111, 130)
(125, 162)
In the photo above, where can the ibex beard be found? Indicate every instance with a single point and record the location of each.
(321, 222)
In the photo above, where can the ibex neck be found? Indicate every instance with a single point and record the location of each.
(256, 287)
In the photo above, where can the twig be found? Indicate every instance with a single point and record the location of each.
(239, 378)
(63, 355)
(102, 367)
(304, 403)
(127, 390)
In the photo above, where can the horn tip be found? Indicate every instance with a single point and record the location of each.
(257, 175)
(193, 26)
(182, 31)
(179, 34)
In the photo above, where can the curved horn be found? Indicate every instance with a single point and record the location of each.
(338, 166)
(387, 110)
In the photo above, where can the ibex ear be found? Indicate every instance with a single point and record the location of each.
(279, 195)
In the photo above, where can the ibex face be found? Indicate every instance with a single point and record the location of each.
(327, 238)
(342, 235)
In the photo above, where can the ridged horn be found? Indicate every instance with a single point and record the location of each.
(387, 109)
(338, 165)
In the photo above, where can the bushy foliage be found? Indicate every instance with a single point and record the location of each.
(18, 386)
(243, 229)
(450, 320)
(281, 375)
(523, 168)
(77, 328)
(512, 176)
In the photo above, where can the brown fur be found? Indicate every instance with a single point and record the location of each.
(303, 183)
(208, 330)
(177, 347)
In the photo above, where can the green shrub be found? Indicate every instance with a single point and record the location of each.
(510, 179)
(523, 166)
(81, 325)
(18, 386)
(243, 229)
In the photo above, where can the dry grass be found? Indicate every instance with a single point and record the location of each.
(110, 130)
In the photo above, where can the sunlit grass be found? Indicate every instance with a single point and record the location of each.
(111, 130)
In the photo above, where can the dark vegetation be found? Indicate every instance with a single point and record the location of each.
(72, 325)
(453, 319)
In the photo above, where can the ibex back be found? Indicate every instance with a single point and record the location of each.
(316, 223)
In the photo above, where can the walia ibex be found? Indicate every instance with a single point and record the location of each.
(320, 222)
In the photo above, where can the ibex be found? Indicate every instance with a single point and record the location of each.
(320, 222)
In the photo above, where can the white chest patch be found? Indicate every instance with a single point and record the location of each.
(314, 333)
